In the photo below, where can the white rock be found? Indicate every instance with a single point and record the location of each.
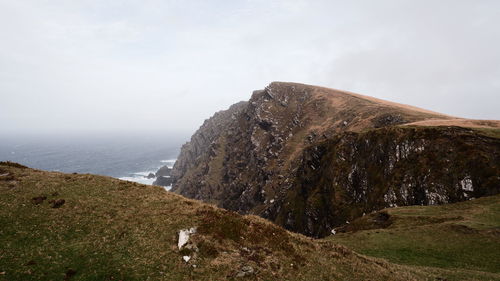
(186, 258)
(334, 232)
(184, 236)
(466, 184)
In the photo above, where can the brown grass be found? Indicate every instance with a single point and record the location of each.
(460, 122)
(114, 230)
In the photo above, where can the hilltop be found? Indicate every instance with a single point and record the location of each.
(311, 158)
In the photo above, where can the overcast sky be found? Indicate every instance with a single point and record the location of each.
(139, 66)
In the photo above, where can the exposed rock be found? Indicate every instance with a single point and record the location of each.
(184, 236)
(322, 159)
(245, 271)
(387, 120)
(364, 172)
(150, 176)
(163, 181)
(164, 172)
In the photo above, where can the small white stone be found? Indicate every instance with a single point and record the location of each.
(334, 232)
(186, 258)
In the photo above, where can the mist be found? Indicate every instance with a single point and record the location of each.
(162, 67)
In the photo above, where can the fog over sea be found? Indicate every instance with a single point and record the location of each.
(120, 156)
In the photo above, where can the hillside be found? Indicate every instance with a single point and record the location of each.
(461, 235)
(107, 229)
(310, 158)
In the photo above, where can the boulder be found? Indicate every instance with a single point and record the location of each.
(163, 172)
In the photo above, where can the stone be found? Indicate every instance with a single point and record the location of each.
(184, 236)
(164, 172)
(245, 271)
(163, 181)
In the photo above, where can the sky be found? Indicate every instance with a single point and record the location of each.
(93, 66)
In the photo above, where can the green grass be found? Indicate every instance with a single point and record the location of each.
(490, 132)
(114, 230)
(464, 235)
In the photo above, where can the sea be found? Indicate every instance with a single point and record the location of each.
(127, 157)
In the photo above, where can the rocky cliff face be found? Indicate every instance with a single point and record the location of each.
(202, 144)
(357, 173)
(311, 158)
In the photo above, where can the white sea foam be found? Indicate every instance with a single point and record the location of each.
(169, 162)
(144, 174)
(139, 179)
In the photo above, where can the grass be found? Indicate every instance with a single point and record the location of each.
(456, 236)
(109, 229)
(489, 132)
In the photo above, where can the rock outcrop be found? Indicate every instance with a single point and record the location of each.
(163, 181)
(163, 172)
(311, 158)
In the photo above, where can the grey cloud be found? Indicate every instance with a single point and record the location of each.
(145, 65)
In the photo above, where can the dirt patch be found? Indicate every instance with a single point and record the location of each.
(69, 274)
(463, 229)
(57, 203)
(38, 200)
(6, 177)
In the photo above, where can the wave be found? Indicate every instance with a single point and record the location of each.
(141, 177)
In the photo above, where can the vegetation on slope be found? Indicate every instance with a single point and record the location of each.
(83, 227)
(107, 229)
(463, 235)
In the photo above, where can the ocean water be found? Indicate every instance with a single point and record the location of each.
(123, 156)
(141, 177)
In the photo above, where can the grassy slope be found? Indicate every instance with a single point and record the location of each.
(114, 230)
(463, 236)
